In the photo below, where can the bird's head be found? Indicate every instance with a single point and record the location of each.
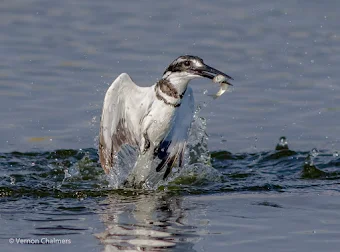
(187, 67)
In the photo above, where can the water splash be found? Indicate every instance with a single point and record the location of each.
(67, 175)
(197, 147)
(310, 157)
(310, 171)
(314, 152)
(12, 180)
(283, 144)
(124, 163)
(128, 158)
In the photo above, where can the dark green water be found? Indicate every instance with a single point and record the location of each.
(78, 174)
(64, 194)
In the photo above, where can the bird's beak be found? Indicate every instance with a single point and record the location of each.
(209, 72)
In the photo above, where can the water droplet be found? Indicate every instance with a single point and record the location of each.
(283, 141)
(336, 154)
(314, 152)
(283, 144)
(310, 157)
(12, 180)
(67, 174)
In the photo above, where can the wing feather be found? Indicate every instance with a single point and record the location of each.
(121, 110)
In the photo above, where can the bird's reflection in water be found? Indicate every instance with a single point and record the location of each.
(146, 222)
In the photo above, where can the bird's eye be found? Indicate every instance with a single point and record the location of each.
(187, 63)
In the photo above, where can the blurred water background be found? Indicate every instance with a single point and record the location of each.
(57, 60)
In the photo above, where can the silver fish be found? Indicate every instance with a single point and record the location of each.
(224, 85)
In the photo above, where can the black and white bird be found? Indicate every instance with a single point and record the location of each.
(155, 120)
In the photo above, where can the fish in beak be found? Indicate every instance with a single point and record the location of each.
(213, 74)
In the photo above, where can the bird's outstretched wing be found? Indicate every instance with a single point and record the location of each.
(171, 149)
(121, 112)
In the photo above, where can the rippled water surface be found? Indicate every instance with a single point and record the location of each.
(244, 192)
